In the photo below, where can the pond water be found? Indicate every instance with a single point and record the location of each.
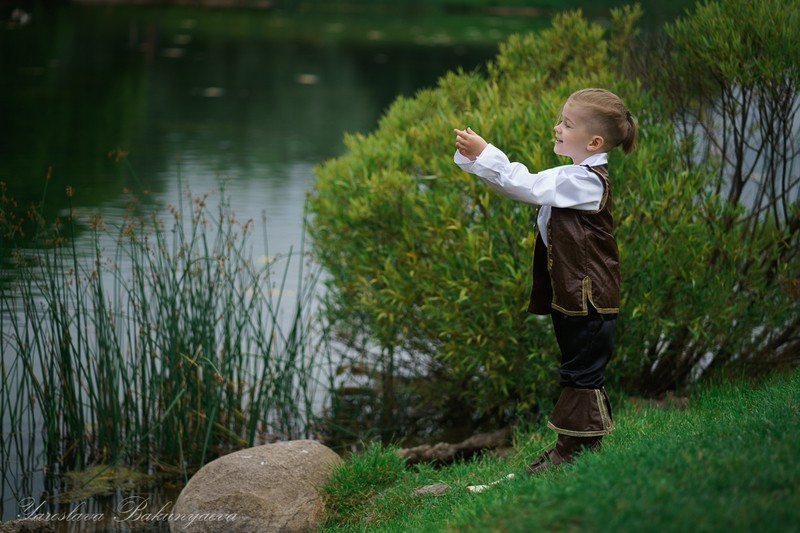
(252, 98)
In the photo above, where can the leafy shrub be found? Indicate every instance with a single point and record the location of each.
(728, 76)
(742, 60)
(431, 268)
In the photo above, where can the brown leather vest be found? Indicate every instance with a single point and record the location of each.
(580, 265)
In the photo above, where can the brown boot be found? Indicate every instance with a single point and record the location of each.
(549, 459)
(569, 447)
(582, 413)
(565, 450)
(580, 418)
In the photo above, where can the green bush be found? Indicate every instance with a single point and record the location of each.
(432, 269)
(729, 77)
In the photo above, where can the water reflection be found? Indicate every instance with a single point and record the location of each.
(185, 97)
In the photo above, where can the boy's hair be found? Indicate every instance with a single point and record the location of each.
(608, 114)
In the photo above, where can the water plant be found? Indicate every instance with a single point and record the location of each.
(166, 347)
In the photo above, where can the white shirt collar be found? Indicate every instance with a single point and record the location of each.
(595, 160)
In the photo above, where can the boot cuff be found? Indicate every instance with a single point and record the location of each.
(582, 413)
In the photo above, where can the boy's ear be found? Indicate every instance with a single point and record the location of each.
(596, 144)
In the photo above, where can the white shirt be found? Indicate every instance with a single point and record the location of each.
(567, 186)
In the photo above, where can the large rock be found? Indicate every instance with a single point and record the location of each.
(267, 488)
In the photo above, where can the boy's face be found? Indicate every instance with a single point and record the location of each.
(573, 137)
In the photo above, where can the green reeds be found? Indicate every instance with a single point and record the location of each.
(170, 350)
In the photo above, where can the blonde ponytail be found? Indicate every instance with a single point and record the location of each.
(629, 140)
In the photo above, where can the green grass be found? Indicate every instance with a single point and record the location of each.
(728, 461)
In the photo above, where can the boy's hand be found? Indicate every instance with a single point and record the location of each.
(469, 144)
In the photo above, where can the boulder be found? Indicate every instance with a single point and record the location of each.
(269, 488)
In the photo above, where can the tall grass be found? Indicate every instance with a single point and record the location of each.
(165, 347)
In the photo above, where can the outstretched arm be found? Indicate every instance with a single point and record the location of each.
(469, 144)
(569, 186)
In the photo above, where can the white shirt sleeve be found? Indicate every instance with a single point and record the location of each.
(568, 186)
